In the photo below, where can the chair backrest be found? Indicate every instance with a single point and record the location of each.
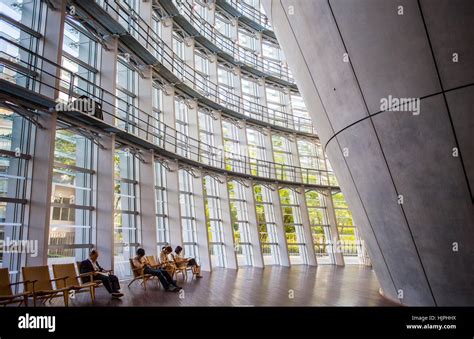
(39, 273)
(78, 265)
(136, 273)
(177, 263)
(65, 270)
(5, 288)
(151, 259)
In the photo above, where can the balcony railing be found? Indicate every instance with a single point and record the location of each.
(134, 121)
(165, 55)
(230, 47)
(251, 12)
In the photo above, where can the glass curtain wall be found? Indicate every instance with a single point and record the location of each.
(127, 228)
(72, 226)
(320, 230)
(257, 153)
(207, 155)
(201, 69)
(350, 244)
(293, 226)
(73, 211)
(212, 200)
(283, 156)
(276, 102)
(250, 95)
(80, 56)
(127, 96)
(182, 127)
(223, 25)
(16, 150)
(226, 86)
(266, 225)
(157, 113)
(162, 225)
(232, 145)
(188, 214)
(240, 223)
(311, 156)
(299, 111)
(21, 45)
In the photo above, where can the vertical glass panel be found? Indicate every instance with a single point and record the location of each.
(183, 143)
(312, 160)
(207, 153)
(126, 217)
(127, 96)
(240, 223)
(251, 97)
(293, 226)
(162, 226)
(188, 216)
(72, 209)
(233, 159)
(350, 243)
(16, 134)
(267, 226)
(282, 156)
(318, 219)
(214, 222)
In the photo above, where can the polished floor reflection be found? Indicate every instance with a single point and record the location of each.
(273, 286)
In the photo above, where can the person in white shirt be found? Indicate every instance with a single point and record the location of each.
(141, 262)
(180, 260)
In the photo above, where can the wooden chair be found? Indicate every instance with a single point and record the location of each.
(86, 278)
(139, 275)
(6, 293)
(153, 262)
(168, 265)
(38, 282)
(73, 281)
(181, 268)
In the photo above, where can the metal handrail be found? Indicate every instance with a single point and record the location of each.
(231, 47)
(155, 131)
(251, 13)
(144, 34)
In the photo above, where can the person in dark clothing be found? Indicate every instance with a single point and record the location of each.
(110, 281)
(89, 106)
(141, 262)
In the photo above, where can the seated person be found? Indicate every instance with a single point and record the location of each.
(191, 262)
(166, 263)
(110, 281)
(141, 262)
(91, 107)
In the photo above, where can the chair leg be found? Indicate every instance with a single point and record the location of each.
(66, 298)
(92, 290)
(131, 282)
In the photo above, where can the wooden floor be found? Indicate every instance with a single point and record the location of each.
(273, 286)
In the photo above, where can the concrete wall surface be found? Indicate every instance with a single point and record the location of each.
(407, 172)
